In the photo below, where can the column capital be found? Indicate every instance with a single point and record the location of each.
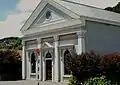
(56, 37)
(81, 34)
(23, 43)
(39, 40)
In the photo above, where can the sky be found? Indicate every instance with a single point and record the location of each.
(13, 13)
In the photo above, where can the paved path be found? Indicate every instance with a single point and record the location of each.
(29, 82)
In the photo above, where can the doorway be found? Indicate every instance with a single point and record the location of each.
(48, 60)
(48, 69)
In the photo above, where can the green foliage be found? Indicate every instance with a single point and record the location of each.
(98, 81)
(73, 81)
(11, 43)
(114, 9)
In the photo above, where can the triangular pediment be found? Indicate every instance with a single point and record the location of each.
(48, 11)
(50, 14)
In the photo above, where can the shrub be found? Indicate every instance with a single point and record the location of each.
(111, 63)
(10, 65)
(73, 81)
(86, 65)
(90, 65)
(98, 81)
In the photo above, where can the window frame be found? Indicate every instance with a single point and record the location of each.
(30, 51)
(62, 50)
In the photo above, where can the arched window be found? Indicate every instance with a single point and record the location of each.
(48, 55)
(33, 63)
(67, 57)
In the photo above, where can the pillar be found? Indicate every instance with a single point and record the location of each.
(44, 69)
(23, 60)
(39, 60)
(28, 65)
(57, 60)
(81, 42)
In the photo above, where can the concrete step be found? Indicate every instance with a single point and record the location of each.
(30, 82)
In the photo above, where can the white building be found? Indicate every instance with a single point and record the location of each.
(60, 28)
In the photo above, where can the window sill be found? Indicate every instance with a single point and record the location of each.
(32, 73)
(67, 76)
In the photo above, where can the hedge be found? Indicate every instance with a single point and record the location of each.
(91, 64)
(10, 65)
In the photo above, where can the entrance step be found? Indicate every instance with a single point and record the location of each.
(31, 82)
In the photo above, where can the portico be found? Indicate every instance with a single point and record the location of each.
(51, 64)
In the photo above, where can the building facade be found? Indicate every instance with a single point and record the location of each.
(60, 28)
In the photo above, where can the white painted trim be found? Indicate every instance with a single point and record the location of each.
(66, 45)
(39, 59)
(57, 70)
(23, 61)
(48, 35)
(81, 41)
(33, 16)
(37, 70)
(67, 76)
(55, 26)
(64, 9)
(62, 49)
(101, 20)
(44, 70)
(33, 74)
(48, 44)
(44, 62)
(40, 7)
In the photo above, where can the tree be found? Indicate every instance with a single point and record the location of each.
(114, 9)
(11, 43)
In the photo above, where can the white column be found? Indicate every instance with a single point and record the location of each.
(23, 60)
(81, 42)
(57, 60)
(40, 60)
(62, 66)
(28, 64)
(37, 68)
(44, 69)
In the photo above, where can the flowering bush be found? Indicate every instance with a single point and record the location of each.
(86, 65)
(98, 81)
(90, 65)
(111, 64)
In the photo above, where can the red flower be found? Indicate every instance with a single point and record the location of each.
(38, 50)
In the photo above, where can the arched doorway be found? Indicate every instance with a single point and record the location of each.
(48, 60)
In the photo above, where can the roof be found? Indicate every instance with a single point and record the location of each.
(76, 10)
(89, 11)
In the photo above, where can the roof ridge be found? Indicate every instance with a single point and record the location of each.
(81, 4)
(89, 6)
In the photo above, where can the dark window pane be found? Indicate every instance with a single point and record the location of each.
(48, 55)
(67, 57)
(48, 14)
(33, 63)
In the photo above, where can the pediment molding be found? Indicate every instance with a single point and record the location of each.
(40, 8)
(48, 15)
